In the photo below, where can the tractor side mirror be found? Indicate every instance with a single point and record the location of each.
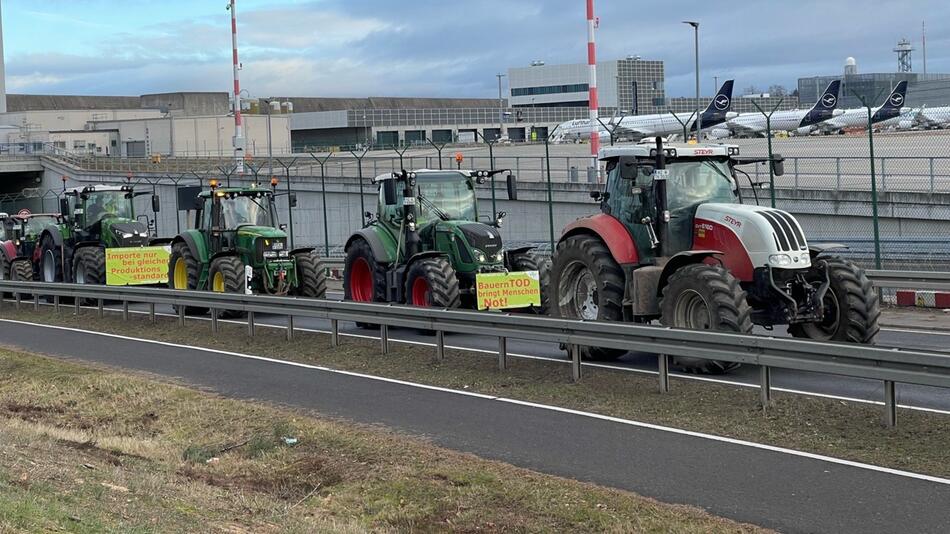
(500, 218)
(64, 207)
(283, 227)
(512, 187)
(778, 165)
(389, 192)
(292, 199)
(156, 204)
(199, 203)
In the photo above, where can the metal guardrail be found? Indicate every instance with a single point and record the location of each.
(929, 280)
(890, 365)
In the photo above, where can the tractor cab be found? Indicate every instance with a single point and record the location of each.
(105, 214)
(24, 230)
(242, 220)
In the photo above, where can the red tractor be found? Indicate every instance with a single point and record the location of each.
(19, 235)
(675, 242)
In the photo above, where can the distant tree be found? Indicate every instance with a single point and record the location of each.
(750, 90)
(778, 90)
(795, 93)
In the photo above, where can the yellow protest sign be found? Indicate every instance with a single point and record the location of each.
(500, 291)
(136, 266)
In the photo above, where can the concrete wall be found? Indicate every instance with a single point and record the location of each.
(63, 120)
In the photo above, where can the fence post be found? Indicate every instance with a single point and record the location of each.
(502, 353)
(931, 174)
(890, 404)
(663, 365)
(838, 173)
(765, 385)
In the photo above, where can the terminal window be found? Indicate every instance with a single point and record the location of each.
(549, 89)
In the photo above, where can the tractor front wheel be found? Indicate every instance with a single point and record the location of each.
(227, 276)
(51, 261)
(364, 279)
(432, 282)
(311, 275)
(532, 261)
(89, 267)
(851, 305)
(183, 273)
(587, 283)
(705, 297)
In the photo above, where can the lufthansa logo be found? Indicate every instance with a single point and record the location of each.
(897, 100)
(829, 100)
(722, 102)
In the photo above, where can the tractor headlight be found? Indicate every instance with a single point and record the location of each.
(480, 256)
(780, 260)
(499, 257)
(270, 254)
(283, 253)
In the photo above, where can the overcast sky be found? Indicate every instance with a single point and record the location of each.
(441, 47)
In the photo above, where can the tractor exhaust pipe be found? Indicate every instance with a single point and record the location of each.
(659, 192)
(409, 209)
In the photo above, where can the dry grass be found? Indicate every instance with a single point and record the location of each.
(89, 450)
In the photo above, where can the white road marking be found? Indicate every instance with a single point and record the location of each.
(630, 422)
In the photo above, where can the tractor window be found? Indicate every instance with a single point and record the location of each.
(204, 222)
(450, 195)
(623, 180)
(34, 226)
(691, 183)
(242, 210)
(104, 204)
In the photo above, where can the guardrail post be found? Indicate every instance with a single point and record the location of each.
(663, 364)
(290, 328)
(502, 353)
(18, 298)
(214, 321)
(384, 338)
(334, 333)
(76, 303)
(151, 312)
(100, 308)
(181, 314)
(575, 352)
(890, 404)
(56, 303)
(765, 385)
(125, 310)
(36, 302)
(250, 323)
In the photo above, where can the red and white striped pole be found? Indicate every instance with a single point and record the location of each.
(592, 83)
(238, 140)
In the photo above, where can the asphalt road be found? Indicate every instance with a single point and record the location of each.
(772, 488)
(799, 381)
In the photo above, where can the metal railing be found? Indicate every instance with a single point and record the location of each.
(891, 365)
(929, 280)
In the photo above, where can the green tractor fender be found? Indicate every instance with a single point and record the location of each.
(512, 252)
(381, 242)
(197, 246)
(300, 250)
(160, 241)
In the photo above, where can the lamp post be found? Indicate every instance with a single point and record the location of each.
(699, 118)
(501, 107)
(270, 144)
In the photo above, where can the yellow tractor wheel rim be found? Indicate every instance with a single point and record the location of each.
(217, 283)
(181, 274)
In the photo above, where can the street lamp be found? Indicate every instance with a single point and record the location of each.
(699, 119)
(270, 144)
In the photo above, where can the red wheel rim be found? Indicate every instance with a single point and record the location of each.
(420, 292)
(361, 281)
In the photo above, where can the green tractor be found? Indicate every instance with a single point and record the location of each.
(94, 218)
(425, 247)
(237, 246)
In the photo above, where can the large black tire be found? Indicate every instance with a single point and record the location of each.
(311, 275)
(227, 276)
(51, 263)
(192, 271)
(364, 279)
(432, 282)
(705, 297)
(587, 283)
(4, 266)
(21, 271)
(532, 261)
(89, 267)
(852, 306)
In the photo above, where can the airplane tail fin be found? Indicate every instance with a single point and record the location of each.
(719, 107)
(828, 100)
(895, 101)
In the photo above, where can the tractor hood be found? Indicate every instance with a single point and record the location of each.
(769, 236)
(481, 237)
(261, 231)
(127, 232)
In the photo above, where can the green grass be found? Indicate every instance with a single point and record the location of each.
(85, 449)
(841, 429)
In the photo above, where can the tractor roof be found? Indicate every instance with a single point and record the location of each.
(238, 191)
(424, 172)
(647, 150)
(98, 188)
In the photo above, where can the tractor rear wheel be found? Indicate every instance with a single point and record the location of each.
(432, 282)
(851, 305)
(51, 262)
(21, 271)
(364, 279)
(89, 267)
(705, 297)
(183, 274)
(532, 261)
(587, 283)
(227, 276)
(311, 275)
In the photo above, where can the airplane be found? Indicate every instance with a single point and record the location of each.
(908, 120)
(800, 121)
(892, 108)
(638, 127)
(933, 118)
